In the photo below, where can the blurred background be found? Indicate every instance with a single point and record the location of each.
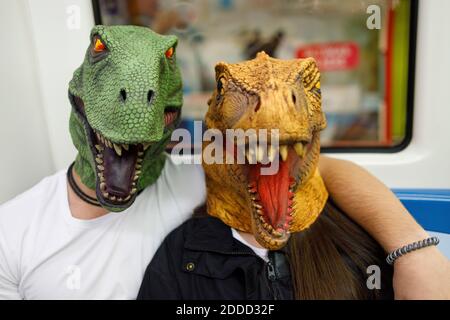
(364, 71)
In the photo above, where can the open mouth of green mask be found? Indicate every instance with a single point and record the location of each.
(119, 166)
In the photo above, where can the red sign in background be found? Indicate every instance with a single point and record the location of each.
(334, 56)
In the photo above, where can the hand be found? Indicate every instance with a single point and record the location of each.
(422, 275)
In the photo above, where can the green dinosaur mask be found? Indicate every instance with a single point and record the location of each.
(126, 99)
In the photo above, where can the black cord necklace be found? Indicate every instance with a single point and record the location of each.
(83, 196)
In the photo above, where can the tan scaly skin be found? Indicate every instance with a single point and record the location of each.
(267, 93)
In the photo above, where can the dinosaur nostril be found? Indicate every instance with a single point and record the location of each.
(294, 98)
(150, 95)
(123, 94)
(258, 105)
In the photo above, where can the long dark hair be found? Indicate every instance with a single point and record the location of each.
(329, 260)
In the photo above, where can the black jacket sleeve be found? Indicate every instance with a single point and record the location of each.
(159, 280)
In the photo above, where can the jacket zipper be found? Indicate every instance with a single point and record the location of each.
(271, 276)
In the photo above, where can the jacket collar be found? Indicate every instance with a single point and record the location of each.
(210, 234)
(209, 240)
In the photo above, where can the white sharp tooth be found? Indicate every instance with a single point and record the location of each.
(125, 146)
(127, 198)
(138, 166)
(299, 149)
(113, 198)
(98, 160)
(138, 172)
(98, 147)
(120, 199)
(136, 177)
(98, 136)
(284, 152)
(250, 155)
(146, 145)
(140, 154)
(271, 153)
(110, 145)
(118, 149)
(240, 152)
(259, 154)
(105, 194)
(257, 206)
(101, 168)
(305, 148)
(103, 186)
(253, 139)
(133, 191)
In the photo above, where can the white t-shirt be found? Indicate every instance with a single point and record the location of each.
(45, 253)
(263, 253)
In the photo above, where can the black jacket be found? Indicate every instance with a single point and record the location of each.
(213, 265)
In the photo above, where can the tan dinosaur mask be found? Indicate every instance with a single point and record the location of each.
(267, 93)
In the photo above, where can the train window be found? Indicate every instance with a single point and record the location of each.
(365, 50)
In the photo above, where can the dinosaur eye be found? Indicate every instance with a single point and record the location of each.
(169, 53)
(220, 89)
(98, 49)
(99, 46)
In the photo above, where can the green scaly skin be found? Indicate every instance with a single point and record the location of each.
(134, 62)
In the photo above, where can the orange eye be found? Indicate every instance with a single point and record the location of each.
(99, 45)
(169, 52)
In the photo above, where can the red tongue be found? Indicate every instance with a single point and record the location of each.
(273, 191)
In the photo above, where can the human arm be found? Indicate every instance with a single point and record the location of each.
(423, 274)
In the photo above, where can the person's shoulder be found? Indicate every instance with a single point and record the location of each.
(189, 228)
(185, 181)
(183, 230)
(176, 170)
(21, 209)
(198, 233)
